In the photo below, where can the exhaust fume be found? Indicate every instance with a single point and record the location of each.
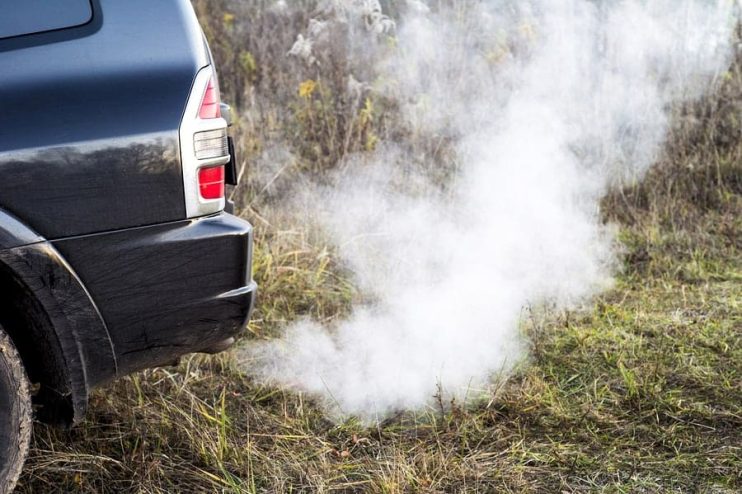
(546, 105)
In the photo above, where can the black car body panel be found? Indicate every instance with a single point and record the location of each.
(13, 233)
(66, 335)
(95, 118)
(169, 289)
(102, 271)
(96, 186)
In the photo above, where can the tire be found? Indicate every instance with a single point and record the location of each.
(16, 419)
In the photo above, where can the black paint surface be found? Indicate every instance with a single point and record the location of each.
(89, 126)
(167, 290)
(78, 355)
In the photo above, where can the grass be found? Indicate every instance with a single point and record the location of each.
(642, 392)
(639, 392)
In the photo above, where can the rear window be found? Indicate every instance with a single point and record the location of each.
(19, 17)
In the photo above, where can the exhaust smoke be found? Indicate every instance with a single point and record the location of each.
(545, 105)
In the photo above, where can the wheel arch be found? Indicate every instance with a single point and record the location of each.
(61, 336)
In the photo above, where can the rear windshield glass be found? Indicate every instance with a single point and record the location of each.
(19, 17)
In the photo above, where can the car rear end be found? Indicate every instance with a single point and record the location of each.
(114, 149)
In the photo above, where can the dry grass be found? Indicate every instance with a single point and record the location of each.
(642, 392)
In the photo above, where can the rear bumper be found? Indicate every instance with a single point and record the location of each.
(167, 290)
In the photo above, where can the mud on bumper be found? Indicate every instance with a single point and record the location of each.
(167, 290)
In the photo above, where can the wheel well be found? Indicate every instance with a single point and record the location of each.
(33, 334)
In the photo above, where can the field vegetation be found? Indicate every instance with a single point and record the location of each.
(641, 392)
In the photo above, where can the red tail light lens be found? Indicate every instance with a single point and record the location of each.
(211, 182)
(210, 103)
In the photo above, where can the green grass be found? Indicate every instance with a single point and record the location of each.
(642, 392)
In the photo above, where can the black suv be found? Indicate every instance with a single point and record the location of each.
(116, 253)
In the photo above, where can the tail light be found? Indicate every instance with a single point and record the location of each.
(210, 104)
(211, 144)
(211, 182)
(204, 147)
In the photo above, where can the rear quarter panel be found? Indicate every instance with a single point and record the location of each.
(89, 118)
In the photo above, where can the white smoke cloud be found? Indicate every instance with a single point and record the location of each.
(547, 104)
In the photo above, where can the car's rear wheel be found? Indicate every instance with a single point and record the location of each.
(15, 414)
